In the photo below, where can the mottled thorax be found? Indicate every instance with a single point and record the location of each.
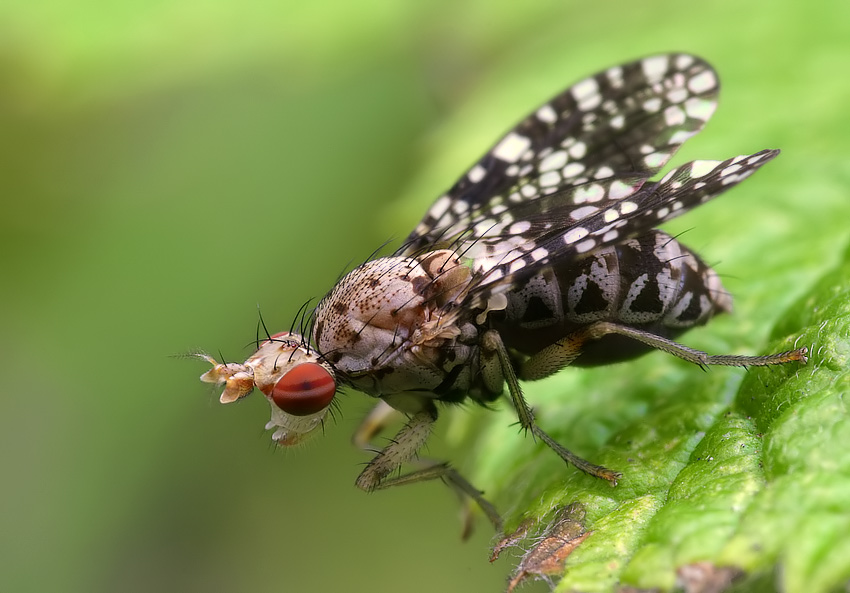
(387, 325)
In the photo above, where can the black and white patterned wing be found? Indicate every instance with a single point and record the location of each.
(598, 141)
(511, 250)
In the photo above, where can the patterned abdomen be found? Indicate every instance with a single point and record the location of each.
(652, 282)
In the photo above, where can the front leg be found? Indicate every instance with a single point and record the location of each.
(403, 449)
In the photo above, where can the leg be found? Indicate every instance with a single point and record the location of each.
(563, 352)
(403, 449)
(493, 346)
(444, 472)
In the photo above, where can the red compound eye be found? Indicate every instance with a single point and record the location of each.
(306, 389)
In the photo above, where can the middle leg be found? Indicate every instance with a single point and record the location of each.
(493, 347)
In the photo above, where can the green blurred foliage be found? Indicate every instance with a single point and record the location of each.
(169, 166)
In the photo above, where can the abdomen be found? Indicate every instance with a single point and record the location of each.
(652, 282)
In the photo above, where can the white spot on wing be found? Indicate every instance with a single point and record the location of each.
(729, 170)
(620, 190)
(680, 136)
(702, 82)
(440, 206)
(573, 169)
(589, 193)
(556, 160)
(591, 102)
(516, 265)
(677, 95)
(583, 212)
(476, 174)
(576, 234)
(656, 159)
(627, 208)
(549, 179)
(683, 61)
(615, 76)
(586, 246)
(701, 109)
(674, 116)
(603, 172)
(578, 150)
(547, 114)
(511, 147)
(655, 67)
(585, 89)
(652, 105)
(485, 226)
(539, 254)
(702, 168)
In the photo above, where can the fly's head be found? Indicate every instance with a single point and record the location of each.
(298, 384)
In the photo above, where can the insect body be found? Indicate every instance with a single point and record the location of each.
(543, 255)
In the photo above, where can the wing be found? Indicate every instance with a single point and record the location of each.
(600, 140)
(510, 251)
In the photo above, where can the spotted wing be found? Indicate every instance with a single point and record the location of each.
(596, 143)
(510, 251)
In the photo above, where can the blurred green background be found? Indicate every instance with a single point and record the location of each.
(169, 166)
